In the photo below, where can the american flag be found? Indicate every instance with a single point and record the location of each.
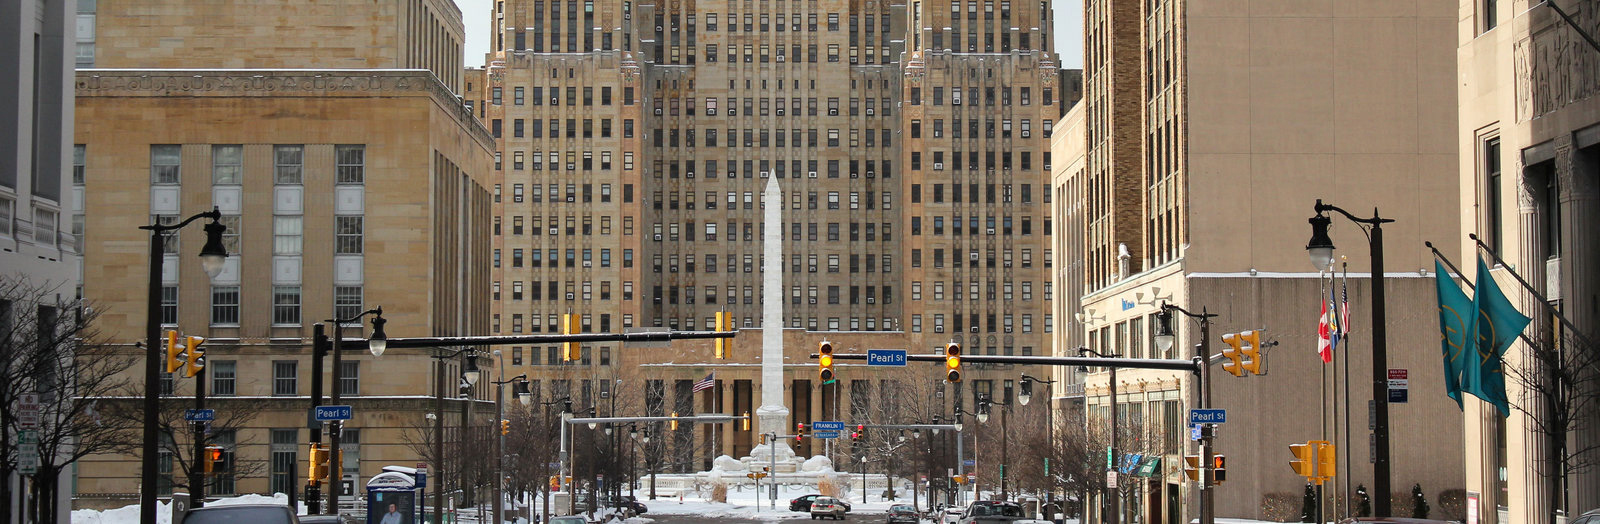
(706, 383)
(1344, 309)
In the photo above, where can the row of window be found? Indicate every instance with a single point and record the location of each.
(227, 164)
(989, 95)
(536, 257)
(286, 304)
(224, 378)
(537, 322)
(1025, 128)
(986, 324)
(768, 168)
(553, 356)
(989, 193)
(1006, 291)
(873, 54)
(1026, 256)
(1025, 161)
(1005, 223)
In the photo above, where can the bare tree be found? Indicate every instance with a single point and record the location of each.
(1560, 379)
(50, 349)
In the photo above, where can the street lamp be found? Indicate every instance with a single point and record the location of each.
(1320, 248)
(1027, 388)
(212, 256)
(379, 340)
(470, 372)
(520, 389)
(469, 358)
(1164, 335)
(519, 386)
(1111, 505)
(1005, 434)
(336, 428)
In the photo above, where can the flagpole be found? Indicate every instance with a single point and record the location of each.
(1542, 300)
(1323, 375)
(1337, 360)
(1345, 288)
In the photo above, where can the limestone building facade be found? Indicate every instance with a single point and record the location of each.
(349, 176)
(1209, 131)
(1529, 143)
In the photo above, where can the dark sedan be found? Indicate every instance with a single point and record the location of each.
(903, 513)
(804, 503)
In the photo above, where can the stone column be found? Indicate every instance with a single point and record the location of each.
(1579, 173)
(1530, 261)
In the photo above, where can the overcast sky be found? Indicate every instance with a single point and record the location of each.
(1069, 31)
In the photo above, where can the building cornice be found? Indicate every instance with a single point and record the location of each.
(282, 83)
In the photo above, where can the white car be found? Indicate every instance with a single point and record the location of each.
(952, 515)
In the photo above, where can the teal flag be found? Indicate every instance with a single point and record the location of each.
(1455, 321)
(1498, 325)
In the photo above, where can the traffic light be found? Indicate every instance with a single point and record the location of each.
(744, 425)
(1251, 349)
(213, 459)
(825, 362)
(861, 429)
(1219, 469)
(1327, 457)
(1233, 353)
(724, 323)
(1191, 467)
(195, 362)
(1305, 460)
(174, 352)
(952, 362)
(319, 464)
(569, 326)
(799, 439)
(505, 426)
(673, 424)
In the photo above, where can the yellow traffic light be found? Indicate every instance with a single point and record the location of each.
(318, 465)
(724, 323)
(1305, 459)
(1234, 354)
(195, 362)
(1327, 458)
(952, 362)
(1191, 467)
(569, 326)
(825, 362)
(1251, 350)
(673, 424)
(505, 426)
(744, 425)
(174, 352)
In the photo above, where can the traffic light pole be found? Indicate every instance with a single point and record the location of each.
(197, 469)
(319, 347)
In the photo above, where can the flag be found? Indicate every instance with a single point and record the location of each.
(1344, 308)
(1455, 321)
(1498, 323)
(1324, 335)
(705, 383)
(1335, 327)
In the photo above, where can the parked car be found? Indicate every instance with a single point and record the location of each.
(991, 512)
(952, 515)
(328, 519)
(569, 519)
(626, 503)
(903, 513)
(827, 507)
(241, 514)
(1589, 517)
(1394, 520)
(804, 503)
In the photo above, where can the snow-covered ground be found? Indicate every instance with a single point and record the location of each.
(130, 514)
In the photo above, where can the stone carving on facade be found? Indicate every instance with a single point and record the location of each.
(1556, 67)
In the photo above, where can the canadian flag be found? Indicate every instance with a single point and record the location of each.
(1325, 333)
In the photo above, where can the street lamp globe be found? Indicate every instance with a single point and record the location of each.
(213, 254)
(1164, 336)
(471, 373)
(608, 429)
(983, 413)
(1320, 247)
(1027, 392)
(379, 341)
(524, 396)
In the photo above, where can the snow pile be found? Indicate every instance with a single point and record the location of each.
(130, 514)
(817, 464)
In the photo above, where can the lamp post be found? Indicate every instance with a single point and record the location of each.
(1027, 395)
(519, 387)
(470, 374)
(984, 402)
(1320, 248)
(544, 463)
(212, 256)
(1113, 503)
(1164, 340)
(377, 344)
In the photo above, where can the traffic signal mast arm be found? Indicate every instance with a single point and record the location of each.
(1133, 363)
(360, 344)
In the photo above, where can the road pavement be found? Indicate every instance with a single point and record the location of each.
(798, 517)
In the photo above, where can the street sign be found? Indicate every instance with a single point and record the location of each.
(969, 463)
(825, 434)
(827, 425)
(28, 451)
(1194, 432)
(1111, 479)
(422, 475)
(1208, 416)
(886, 357)
(200, 415)
(28, 411)
(328, 413)
(1399, 386)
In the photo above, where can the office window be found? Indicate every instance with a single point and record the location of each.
(285, 375)
(169, 305)
(286, 305)
(351, 164)
(1492, 193)
(223, 374)
(227, 164)
(288, 164)
(225, 305)
(1489, 14)
(165, 163)
(287, 234)
(350, 377)
(347, 232)
(347, 301)
(285, 442)
(79, 163)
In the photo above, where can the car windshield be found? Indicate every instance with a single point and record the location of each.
(997, 510)
(902, 509)
(240, 515)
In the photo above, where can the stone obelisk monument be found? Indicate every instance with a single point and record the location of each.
(773, 415)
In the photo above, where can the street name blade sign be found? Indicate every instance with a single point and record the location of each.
(827, 425)
(328, 413)
(200, 415)
(1208, 416)
(886, 357)
(825, 434)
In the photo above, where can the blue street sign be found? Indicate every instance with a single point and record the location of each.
(199, 415)
(422, 479)
(886, 357)
(969, 463)
(1208, 416)
(1194, 432)
(827, 425)
(825, 434)
(327, 413)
